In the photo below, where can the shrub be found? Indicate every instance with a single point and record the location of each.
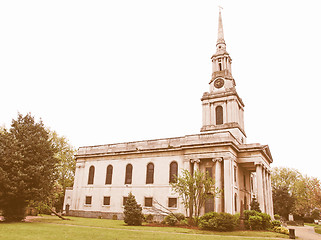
(255, 222)
(170, 220)
(264, 222)
(115, 217)
(276, 223)
(218, 221)
(277, 217)
(149, 218)
(282, 230)
(132, 211)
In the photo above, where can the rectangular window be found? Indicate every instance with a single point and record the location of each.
(88, 200)
(106, 201)
(124, 200)
(244, 181)
(172, 202)
(235, 174)
(148, 201)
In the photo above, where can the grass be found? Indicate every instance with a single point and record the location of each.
(50, 227)
(317, 228)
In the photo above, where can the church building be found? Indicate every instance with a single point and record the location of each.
(106, 174)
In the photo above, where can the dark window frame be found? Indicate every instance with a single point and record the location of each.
(148, 202)
(108, 201)
(88, 200)
(219, 115)
(173, 171)
(150, 173)
(170, 202)
(109, 174)
(129, 174)
(91, 175)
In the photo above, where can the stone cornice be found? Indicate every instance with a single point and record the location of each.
(228, 92)
(222, 127)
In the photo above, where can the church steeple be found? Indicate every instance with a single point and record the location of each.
(220, 44)
(222, 107)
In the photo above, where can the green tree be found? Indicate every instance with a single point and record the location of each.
(194, 190)
(132, 211)
(65, 168)
(283, 201)
(255, 205)
(27, 166)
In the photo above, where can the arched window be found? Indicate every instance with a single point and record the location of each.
(219, 115)
(150, 173)
(129, 174)
(173, 171)
(91, 175)
(235, 201)
(109, 174)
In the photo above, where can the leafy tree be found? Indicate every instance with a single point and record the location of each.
(194, 190)
(27, 166)
(255, 205)
(303, 192)
(65, 168)
(132, 211)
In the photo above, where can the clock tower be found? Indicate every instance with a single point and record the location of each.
(223, 109)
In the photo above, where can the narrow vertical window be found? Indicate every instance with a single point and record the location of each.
(209, 171)
(219, 115)
(235, 201)
(235, 175)
(109, 174)
(220, 68)
(124, 200)
(244, 181)
(129, 173)
(150, 173)
(91, 175)
(173, 171)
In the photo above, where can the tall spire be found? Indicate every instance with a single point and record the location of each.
(220, 44)
(220, 34)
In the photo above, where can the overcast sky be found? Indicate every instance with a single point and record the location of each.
(102, 72)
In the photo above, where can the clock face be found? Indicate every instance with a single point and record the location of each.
(219, 83)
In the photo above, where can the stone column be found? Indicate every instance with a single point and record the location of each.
(228, 185)
(259, 182)
(270, 199)
(218, 183)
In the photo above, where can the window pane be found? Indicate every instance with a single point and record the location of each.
(172, 202)
(88, 199)
(124, 200)
(109, 174)
(173, 171)
(129, 170)
(106, 200)
(219, 115)
(91, 175)
(150, 174)
(148, 202)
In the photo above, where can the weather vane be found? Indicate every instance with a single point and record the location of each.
(220, 7)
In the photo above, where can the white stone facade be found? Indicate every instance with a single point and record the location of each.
(241, 170)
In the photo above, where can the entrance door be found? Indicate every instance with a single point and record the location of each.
(209, 204)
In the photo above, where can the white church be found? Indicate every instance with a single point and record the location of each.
(106, 174)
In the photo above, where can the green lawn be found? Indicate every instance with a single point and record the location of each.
(317, 228)
(50, 227)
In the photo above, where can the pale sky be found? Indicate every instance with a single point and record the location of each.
(102, 72)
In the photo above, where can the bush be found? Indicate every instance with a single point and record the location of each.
(132, 211)
(218, 221)
(170, 220)
(276, 223)
(255, 222)
(277, 217)
(263, 222)
(173, 219)
(282, 230)
(115, 217)
(149, 218)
